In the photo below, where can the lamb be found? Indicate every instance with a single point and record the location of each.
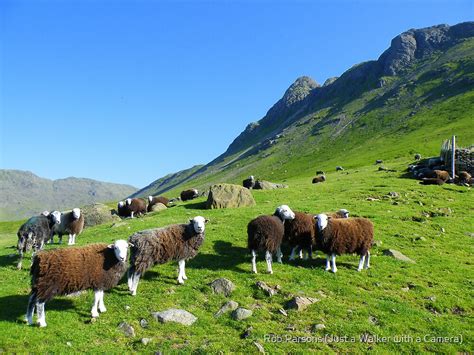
(35, 232)
(179, 242)
(266, 233)
(136, 206)
(153, 200)
(249, 183)
(72, 223)
(189, 194)
(337, 236)
(66, 270)
(318, 179)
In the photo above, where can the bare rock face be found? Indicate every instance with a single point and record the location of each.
(175, 315)
(267, 185)
(241, 313)
(229, 196)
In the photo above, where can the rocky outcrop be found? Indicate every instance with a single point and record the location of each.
(228, 196)
(98, 213)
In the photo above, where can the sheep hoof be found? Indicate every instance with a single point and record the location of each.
(334, 271)
(102, 310)
(42, 324)
(270, 272)
(327, 269)
(185, 277)
(95, 314)
(181, 282)
(133, 293)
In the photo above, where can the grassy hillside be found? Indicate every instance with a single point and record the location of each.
(432, 225)
(25, 194)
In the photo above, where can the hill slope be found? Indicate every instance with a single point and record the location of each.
(419, 92)
(23, 193)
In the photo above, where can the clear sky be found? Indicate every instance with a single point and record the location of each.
(128, 91)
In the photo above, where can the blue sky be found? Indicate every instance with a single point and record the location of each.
(128, 91)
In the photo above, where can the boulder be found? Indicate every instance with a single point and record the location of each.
(228, 306)
(267, 185)
(98, 213)
(241, 313)
(158, 207)
(229, 195)
(397, 255)
(175, 315)
(300, 303)
(270, 291)
(222, 286)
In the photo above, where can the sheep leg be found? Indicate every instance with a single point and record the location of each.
(60, 238)
(20, 260)
(333, 262)
(71, 240)
(361, 263)
(254, 261)
(94, 312)
(268, 258)
(102, 308)
(31, 307)
(301, 253)
(130, 273)
(305, 254)
(180, 272)
(131, 214)
(279, 255)
(136, 278)
(310, 253)
(41, 314)
(184, 271)
(328, 262)
(367, 260)
(293, 252)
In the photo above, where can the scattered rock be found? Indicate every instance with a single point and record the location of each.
(317, 327)
(378, 243)
(68, 343)
(259, 347)
(393, 194)
(241, 313)
(470, 234)
(228, 306)
(175, 315)
(119, 224)
(143, 323)
(397, 255)
(157, 207)
(422, 239)
(229, 196)
(145, 341)
(127, 329)
(442, 230)
(267, 185)
(282, 311)
(379, 161)
(263, 286)
(431, 298)
(223, 286)
(290, 327)
(372, 199)
(127, 308)
(373, 320)
(405, 289)
(247, 333)
(300, 303)
(417, 156)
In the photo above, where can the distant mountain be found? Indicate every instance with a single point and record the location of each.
(23, 194)
(417, 93)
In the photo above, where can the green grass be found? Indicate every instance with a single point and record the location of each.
(443, 270)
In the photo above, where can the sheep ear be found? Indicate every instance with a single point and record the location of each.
(111, 246)
(206, 220)
(190, 221)
(131, 245)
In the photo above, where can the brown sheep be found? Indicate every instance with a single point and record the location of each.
(136, 206)
(189, 194)
(337, 236)
(72, 223)
(153, 200)
(300, 233)
(438, 174)
(464, 177)
(265, 233)
(67, 270)
(318, 179)
(432, 181)
(150, 247)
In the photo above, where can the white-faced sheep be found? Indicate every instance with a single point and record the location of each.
(122, 209)
(150, 247)
(265, 233)
(72, 223)
(153, 200)
(337, 236)
(318, 179)
(136, 206)
(67, 270)
(189, 194)
(249, 183)
(35, 232)
(320, 172)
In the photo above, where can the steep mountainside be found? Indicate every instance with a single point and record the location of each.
(24, 194)
(418, 92)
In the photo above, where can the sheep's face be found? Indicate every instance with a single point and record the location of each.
(199, 224)
(344, 213)
(128, 201)
(121, 204)
(56, 216)
(251, 177)
(322, 221)
(120, 248)
(76, 212)
(285, 212)
(150, 198)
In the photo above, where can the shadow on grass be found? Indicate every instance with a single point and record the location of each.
(227, 258)
(195, 206)
(14, 307)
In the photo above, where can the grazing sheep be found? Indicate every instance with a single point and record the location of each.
(432, 181)
(249, 183)
(136, 206)
(67, 270)
(153, 200)
(35, 232)
(464, 177)
(319, 179)
(342, 213)
(189, 194)
(266, 233)
(337, 236)
(179, 242)
(300, 233)
(320, 172)
(72, 223)
(122, 209)
(339, 168)
(438, 174)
